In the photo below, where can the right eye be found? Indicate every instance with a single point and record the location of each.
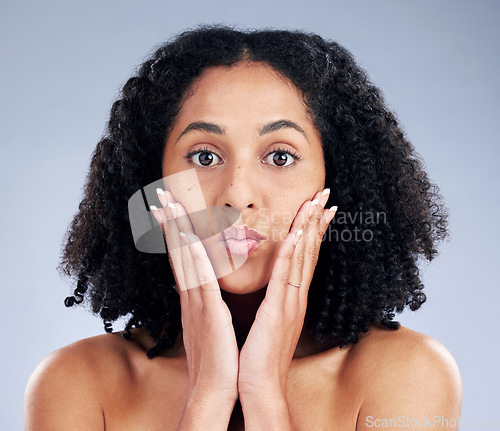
(204, 155)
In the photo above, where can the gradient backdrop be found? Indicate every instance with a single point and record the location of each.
(63, 64)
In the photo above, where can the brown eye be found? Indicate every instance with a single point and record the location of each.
(282, 158)
(205, 157)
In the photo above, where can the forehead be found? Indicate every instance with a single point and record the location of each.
(253, 92)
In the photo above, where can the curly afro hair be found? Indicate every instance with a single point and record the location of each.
(371, 168)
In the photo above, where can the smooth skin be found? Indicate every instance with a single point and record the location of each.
(243, 353)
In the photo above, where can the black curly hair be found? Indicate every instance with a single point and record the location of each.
(370, 166)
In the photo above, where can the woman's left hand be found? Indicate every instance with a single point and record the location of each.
(266, 356)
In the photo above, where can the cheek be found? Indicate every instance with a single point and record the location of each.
(280, 219)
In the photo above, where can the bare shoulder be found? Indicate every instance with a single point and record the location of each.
(394, 345)
(71, 381)
(404, 372)
(388, 350)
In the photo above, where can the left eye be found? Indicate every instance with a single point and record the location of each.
(204, 156)
(281, 158)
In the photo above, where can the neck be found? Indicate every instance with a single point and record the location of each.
(243, 309)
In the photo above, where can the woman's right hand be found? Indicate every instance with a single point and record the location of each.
(208, 333)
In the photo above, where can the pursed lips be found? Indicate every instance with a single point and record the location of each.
(241, 241)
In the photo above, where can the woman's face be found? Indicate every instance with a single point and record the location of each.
(235, 131)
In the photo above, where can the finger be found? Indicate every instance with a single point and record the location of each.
(173, 239)
(200, 273)
(189, 272)
(314, 202)
(326, 219)
(157, 214)
(299, 224)
(297, 272)
(201, 282)
(174, 257)
(295, 281)
(315, 208)
(323, 199)
(318, 223)
(278, 283)
(161, 196)
(321, 218)
(292, 292)
(183, 220)
(305, 260)
(207, 287)
(301, 217)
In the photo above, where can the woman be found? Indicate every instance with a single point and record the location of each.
(299, 333)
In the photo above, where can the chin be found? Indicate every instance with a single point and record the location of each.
(241, 282)
(251, 274)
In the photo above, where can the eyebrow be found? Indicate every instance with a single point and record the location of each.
(271, 127)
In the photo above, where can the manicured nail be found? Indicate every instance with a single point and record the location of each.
(332, 211)
(173, 210)
(162, 197)
(156, 213)
(323, 199)
(298, 235)
(311, 207)
(185, 238)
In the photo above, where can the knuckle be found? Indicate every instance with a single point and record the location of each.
(312, 254)
(196, 256)
(170, 222)
(317, 218)
(185, 262)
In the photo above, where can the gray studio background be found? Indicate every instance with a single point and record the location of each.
(63, 63)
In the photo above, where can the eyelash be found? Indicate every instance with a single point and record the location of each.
(291, 153)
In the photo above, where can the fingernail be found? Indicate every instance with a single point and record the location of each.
(298, 235)
(185, 238)
(311, 207)
(332, 211)
(173, 210)
(162, 197)
(323, 199)
(156, 214)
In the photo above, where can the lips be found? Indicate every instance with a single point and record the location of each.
(241, 241)
(241, 233)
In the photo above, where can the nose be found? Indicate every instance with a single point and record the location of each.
(240, 188)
